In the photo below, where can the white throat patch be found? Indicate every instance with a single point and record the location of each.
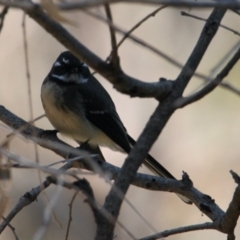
(80, 79)
(60, 77)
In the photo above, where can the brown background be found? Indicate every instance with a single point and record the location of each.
(201, 139)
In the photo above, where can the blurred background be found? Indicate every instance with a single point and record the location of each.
(201, 139)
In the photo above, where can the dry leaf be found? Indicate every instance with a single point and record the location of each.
(54, 13)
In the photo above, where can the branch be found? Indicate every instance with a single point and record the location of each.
(154, 127)
(166, 233)
(127, 34)
(114, 59)
(203, 19)
(48, 210)
(12, 229)
(141, 180)
(229, 220)
(211, 85)
(121, 81)
(70, 214)
(207, 34)
(173, 3)
(202, 201)
(25, 5)
(136, 39)
(2, 17)
(46, 139)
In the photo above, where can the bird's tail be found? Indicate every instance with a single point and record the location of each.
(155, 167)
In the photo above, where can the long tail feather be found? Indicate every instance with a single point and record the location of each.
(155, 167)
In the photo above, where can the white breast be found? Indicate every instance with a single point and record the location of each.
(66, 122)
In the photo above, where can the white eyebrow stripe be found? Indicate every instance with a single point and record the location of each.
(65, 60)
(57, 64)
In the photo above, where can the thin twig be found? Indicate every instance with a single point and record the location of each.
(70, 214)
(114, 59)
(127, 34)
(29, 88)
(152, 14)
(135, 39)
(166, 233)
(183, 101)
(203, 19)
(200, 48)
(84, 186)
(28, 198)
(12, 229)
(48, 210)
(229, 220)
(223, 60)
(2, 17)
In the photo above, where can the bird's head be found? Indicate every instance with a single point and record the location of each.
(67, 68)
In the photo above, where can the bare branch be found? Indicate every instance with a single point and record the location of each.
(166, 233)
(25, 44)
(155, 125)
(207, 34)
(135, 39)
(48, 210)
(229, 220)
(114, 59)
(127, 34)
(122, 82)
(173, 3)
(28, 198)
(2, 17)
(210, 86)
(27, 5)
(12, 229)
(70, 214)
(86, 4)
(158, 52)
(203, 19)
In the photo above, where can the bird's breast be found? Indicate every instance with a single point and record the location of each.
(63, 119)
(69, 123)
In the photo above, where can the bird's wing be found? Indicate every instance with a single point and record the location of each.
(100, 110)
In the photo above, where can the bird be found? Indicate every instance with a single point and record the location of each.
(78, 106)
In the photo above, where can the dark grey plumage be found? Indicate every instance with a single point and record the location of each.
(78, 106)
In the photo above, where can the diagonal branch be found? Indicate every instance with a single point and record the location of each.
(114, 59)
(229, 220)
(207, 34)
(152, 14)
(166, 233)
(121, 81)
(203, 19)
(202, 201)
(211, 85)
(2, 17)
(154, 126)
